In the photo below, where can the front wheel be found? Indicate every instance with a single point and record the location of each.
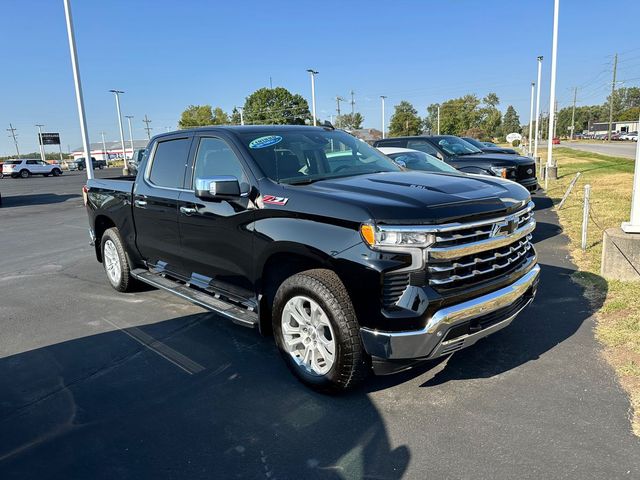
(317, 332)
(115, 261)
(56, 172)
(25, 173)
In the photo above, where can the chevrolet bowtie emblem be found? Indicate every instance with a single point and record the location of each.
(505, 227)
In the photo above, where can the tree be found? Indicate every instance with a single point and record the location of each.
(624, 98)
(510, 121)
(490, 116)
(276, 106)
(235, 117)
(405, 120)
(219, 117)
(196, 116)
(350, 121)
(459, 115)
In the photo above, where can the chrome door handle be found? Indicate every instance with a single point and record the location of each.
(188, 210)
(140, 203)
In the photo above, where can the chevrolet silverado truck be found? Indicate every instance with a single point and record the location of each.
(350, 261)
(467, 158)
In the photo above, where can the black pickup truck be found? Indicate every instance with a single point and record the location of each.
(467, 158)
(350, 261)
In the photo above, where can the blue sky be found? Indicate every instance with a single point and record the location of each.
(169, 54)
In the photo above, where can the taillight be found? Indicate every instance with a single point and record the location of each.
(85, 196)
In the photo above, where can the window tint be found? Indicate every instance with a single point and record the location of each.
(32, 162)
(216, 158)
(423, 146)
(167, 168)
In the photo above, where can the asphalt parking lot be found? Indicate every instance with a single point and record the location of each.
(97, 384)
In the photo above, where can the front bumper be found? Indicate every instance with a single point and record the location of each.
(457, 326)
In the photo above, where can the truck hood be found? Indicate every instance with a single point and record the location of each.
(407, 197)
(497, 158)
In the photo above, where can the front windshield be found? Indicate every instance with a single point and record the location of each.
(422, 161)
(456, 146)
(299, 156)
(474, 142)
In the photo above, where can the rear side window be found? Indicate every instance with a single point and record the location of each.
(168, 164)
(423, 146)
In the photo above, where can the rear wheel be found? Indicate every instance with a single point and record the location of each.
(317, 332)
(56, 172)
(25, 173)
(115, 261)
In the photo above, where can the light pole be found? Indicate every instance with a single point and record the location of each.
(438, 119)
(104, 149)
(129, 117)
(241, 110)
(78, 87)
(552, 169)
(313, 74)
(533, 85)
(117, 95)
(535, 147)
(39, 125)
(382, 97)
(633, 225)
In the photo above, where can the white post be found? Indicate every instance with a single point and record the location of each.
(42, 157)
(585, 216)
(78, 86)
(240, 109)
(438, 119)
(533, 84)
(552, 95)
(313, 74)
(537, 135)
(129, 117)
(117, 95)
(104, 148)
(382, 97)
(633, 226)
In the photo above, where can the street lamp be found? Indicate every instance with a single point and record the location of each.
(117, 95)
(535, 146)
(382, 97)
(551, 170)
(313, 74)
(533, 85)
(129, 117)
(40, 141)
(104, 149)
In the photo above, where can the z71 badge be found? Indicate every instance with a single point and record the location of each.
(274, 200)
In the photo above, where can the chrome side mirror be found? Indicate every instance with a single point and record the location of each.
(217, 188)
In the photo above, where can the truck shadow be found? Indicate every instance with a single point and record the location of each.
(207, 399)
(35, 199)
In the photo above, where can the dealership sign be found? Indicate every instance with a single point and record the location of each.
(512, 137)
(49, 138)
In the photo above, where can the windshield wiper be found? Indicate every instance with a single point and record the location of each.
(305, 181)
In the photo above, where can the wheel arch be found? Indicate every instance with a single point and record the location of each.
(101, 224)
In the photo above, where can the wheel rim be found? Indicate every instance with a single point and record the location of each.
(112, 261)
(24, 174)
(308, 335)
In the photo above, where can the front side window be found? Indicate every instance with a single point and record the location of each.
(169, 160)
(215, 158)
(32, 162)
(422, 161)
(299, 156)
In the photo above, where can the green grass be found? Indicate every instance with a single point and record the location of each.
(618, 326)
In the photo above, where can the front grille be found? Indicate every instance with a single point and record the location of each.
(464, 256)
(526, 172)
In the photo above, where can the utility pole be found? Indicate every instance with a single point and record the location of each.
(117, 93)
(148, 128)
(15, 140)
(40, 141)
(129, 117)
(382, 97)
(573, 112)
(313, 74)
(533, 85)
(613, 91)
(535, 145)
(104, 149)
(338, 100)
(353, 103)
(438, 119)
(78, 87)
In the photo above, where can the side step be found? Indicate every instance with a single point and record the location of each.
(239, 315)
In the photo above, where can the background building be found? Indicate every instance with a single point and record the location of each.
(113, 150)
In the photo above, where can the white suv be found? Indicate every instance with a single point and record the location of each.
(26, 167)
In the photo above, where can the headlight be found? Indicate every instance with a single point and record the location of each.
(500, 171)
(394, 237)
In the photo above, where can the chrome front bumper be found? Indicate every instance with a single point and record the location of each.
(428, 342)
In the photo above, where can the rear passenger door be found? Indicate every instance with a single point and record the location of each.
(155, 204)
(217, 244)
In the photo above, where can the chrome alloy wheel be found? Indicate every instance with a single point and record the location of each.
(308, 335)
(112, 262)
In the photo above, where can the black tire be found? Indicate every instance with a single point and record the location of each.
(46, 174)
(352, 364)
(24, 173)
(80, 167)
(125, 282)
(14, 175)
(56, 172)
(100, 166)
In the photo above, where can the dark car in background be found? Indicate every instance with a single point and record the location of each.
(134, 161)
(81, 164)
(493, 148)
(469, 159)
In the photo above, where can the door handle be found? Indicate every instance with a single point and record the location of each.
(188, 210)
(140, 203)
